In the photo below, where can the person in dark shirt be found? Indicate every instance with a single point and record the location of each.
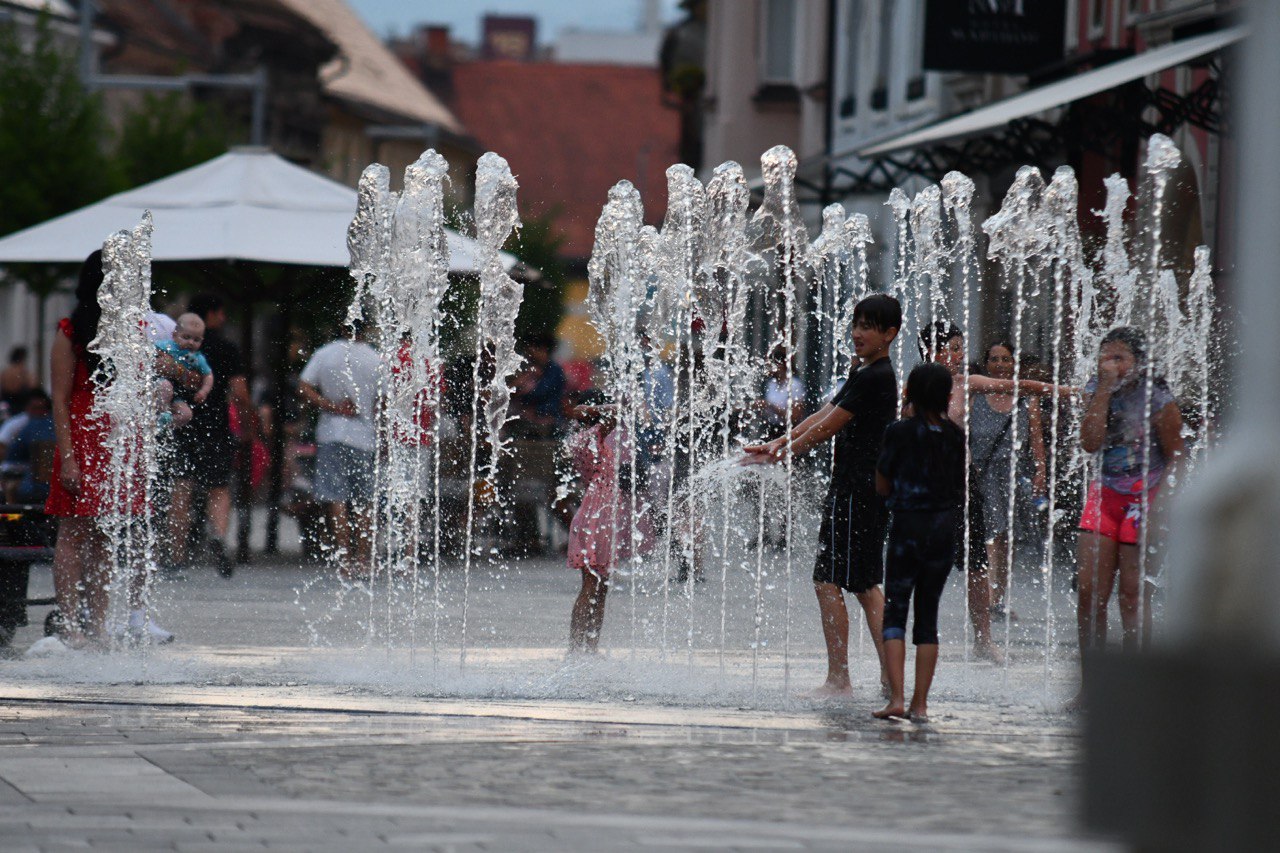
(205, 447)
(851, 538)
(38, 431)
(539, 396)
(921, 472)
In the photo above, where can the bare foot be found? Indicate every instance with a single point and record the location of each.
(890, 711)
(829, 690)
(987, 651)
(918, 714)
(75, 640)
(86, 642)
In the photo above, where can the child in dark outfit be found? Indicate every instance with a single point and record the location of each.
(921, 472)
(851, 539)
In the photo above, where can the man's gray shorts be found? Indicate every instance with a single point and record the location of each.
(343, 474)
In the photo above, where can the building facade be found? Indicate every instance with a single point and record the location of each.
(765, 81)
(853, 87)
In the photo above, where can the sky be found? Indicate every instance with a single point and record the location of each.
(463, 16)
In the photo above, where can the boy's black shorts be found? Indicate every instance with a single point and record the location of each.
(851, 541)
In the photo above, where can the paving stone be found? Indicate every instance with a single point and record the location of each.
(240, 738)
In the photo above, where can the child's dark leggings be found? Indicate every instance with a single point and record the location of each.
(920, 554)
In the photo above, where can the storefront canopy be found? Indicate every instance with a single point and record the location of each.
(247, 205)
(1044, 98)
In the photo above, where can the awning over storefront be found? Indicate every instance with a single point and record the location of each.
(1060, 93)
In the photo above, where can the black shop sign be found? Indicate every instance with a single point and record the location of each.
(998, 36)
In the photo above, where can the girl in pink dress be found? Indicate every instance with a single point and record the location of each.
(602, 455)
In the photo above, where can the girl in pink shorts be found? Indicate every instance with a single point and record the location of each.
(1134, 453)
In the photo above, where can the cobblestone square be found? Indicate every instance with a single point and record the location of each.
(249, 733)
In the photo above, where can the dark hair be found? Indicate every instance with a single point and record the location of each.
(35, 394)
(880, 311)
(1131, 337)
(202, 304)
(17, 355)
(998, 342)
(929, 389)
(937, 335)
(87, 313)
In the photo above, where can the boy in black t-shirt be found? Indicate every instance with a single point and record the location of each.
(851, 539)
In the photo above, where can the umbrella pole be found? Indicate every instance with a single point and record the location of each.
(279, 394)
(244, 479)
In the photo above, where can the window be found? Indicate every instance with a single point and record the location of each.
(913, 11)
(1097, 15)
(884, 57)
(853, 11)
(779, 37)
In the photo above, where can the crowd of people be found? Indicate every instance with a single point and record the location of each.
(894, 518)
(897, 508)
(54, 447)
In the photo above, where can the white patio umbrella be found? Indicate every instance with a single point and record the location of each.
(246, 205)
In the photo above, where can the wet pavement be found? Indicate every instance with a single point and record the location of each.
(136, 774)
(244, 735)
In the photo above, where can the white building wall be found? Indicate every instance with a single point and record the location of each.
(20, 324)
(740, 125)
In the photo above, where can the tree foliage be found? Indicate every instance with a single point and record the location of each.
(169, 133)
(59, 149)
(537, 244)
(54, 137)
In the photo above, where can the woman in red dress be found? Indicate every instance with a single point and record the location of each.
(79, 469)
(78, 491)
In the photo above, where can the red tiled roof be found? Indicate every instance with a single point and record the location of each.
(170, 36)
(570, 132)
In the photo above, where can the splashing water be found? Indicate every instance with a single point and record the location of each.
(124, 404)
(711, 298)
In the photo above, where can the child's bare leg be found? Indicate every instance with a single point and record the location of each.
(1130, 592)
(1097, 557)
(895, 656)
(587, 618)
(341, 537)
(181, 413)
(872, 602)
(596, 625)
(926, 664)
(360, 517)
(835, 632)
(997, 557)
(979, 586)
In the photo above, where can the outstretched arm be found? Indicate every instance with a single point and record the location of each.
(979, 384)
(811, 432)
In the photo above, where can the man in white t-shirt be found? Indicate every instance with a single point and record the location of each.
(341, 380)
